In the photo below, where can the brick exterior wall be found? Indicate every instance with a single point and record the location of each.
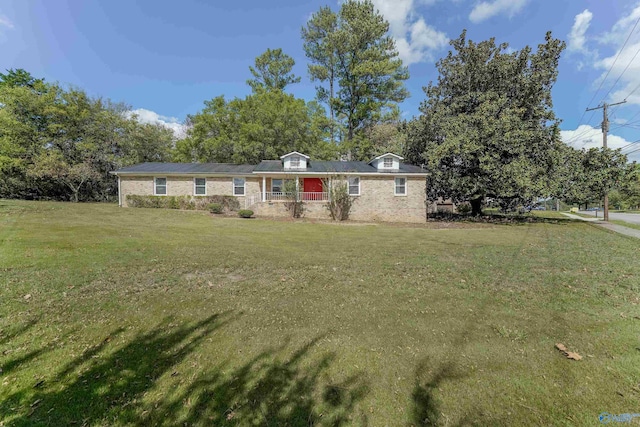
(376, 202)
(183, 186)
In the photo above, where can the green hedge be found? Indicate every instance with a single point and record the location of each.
(229, 203)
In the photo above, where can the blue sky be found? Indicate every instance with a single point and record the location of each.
(164, 58)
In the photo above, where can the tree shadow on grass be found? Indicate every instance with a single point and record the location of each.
(272, 389)
(100, 386)
(499, 219)
(6, 337)
(430, 377)
(112, 384)
(425, 408)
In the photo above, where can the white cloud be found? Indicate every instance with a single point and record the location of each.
(577, 37)
(622, 66)
(5, 22)
(627, 65)
(415, 39)
(588, 137)
(485, 10)
(148, 116)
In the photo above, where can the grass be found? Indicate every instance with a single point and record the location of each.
(625, 224)
(119, 317)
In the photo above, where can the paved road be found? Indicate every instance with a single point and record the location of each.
(627, 217)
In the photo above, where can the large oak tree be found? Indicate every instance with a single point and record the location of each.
(488, 129)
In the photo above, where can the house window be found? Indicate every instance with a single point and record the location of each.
(294, 162)
(276, 186)
(160, 186)
(400, 186)
(387, 163)
(354, 185)
(238, 186)
(200, 186)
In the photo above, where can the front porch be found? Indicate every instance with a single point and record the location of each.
(272, 189)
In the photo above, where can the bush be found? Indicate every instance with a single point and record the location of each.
(245, 213)
(464, 208)
(292, 203)
(229, 203)
(216, 208)
(340, 201)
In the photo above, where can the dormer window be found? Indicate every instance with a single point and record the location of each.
(386, 162)
(295, 160)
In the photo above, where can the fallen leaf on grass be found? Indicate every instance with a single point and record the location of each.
(569, 354)
(572, 355)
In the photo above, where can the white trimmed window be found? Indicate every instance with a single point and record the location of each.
(276, 186)
(400, 186)
(387, 163)
(294, 162)
(160, 186)
(354, 185)
(238, 186)
(200, 186)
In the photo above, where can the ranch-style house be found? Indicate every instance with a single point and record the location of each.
(384, 189)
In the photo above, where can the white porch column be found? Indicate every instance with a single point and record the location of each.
(264, 188)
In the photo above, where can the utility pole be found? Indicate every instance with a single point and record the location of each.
(605, 131)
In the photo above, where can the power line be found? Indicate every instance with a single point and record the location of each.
(637, 87)
(621, 74)
(615, 60)
(629, 144)
(633, 151)
(602, 83)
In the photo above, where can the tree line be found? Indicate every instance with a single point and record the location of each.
(486, 128)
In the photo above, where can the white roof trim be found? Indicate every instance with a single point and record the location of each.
(386, 155)
(295, 153)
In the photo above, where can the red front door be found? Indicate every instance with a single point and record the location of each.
(312, 189)
(312, 185)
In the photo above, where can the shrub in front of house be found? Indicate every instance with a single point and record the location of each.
(245, 213)
(464, 208)
(229, 203)
(340, 202)
(216, 208)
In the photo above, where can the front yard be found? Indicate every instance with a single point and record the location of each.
(114, 316)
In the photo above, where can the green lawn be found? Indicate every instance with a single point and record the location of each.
(114, 316)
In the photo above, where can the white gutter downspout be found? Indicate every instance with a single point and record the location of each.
(119, 193)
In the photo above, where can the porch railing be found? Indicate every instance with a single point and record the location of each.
(252, 200)
(306, 196)
(282, 196)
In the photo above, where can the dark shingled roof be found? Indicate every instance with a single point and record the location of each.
(264, 166)
(188, 168)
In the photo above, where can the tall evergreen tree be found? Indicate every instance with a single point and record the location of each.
(353, 53)
(272, 71)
